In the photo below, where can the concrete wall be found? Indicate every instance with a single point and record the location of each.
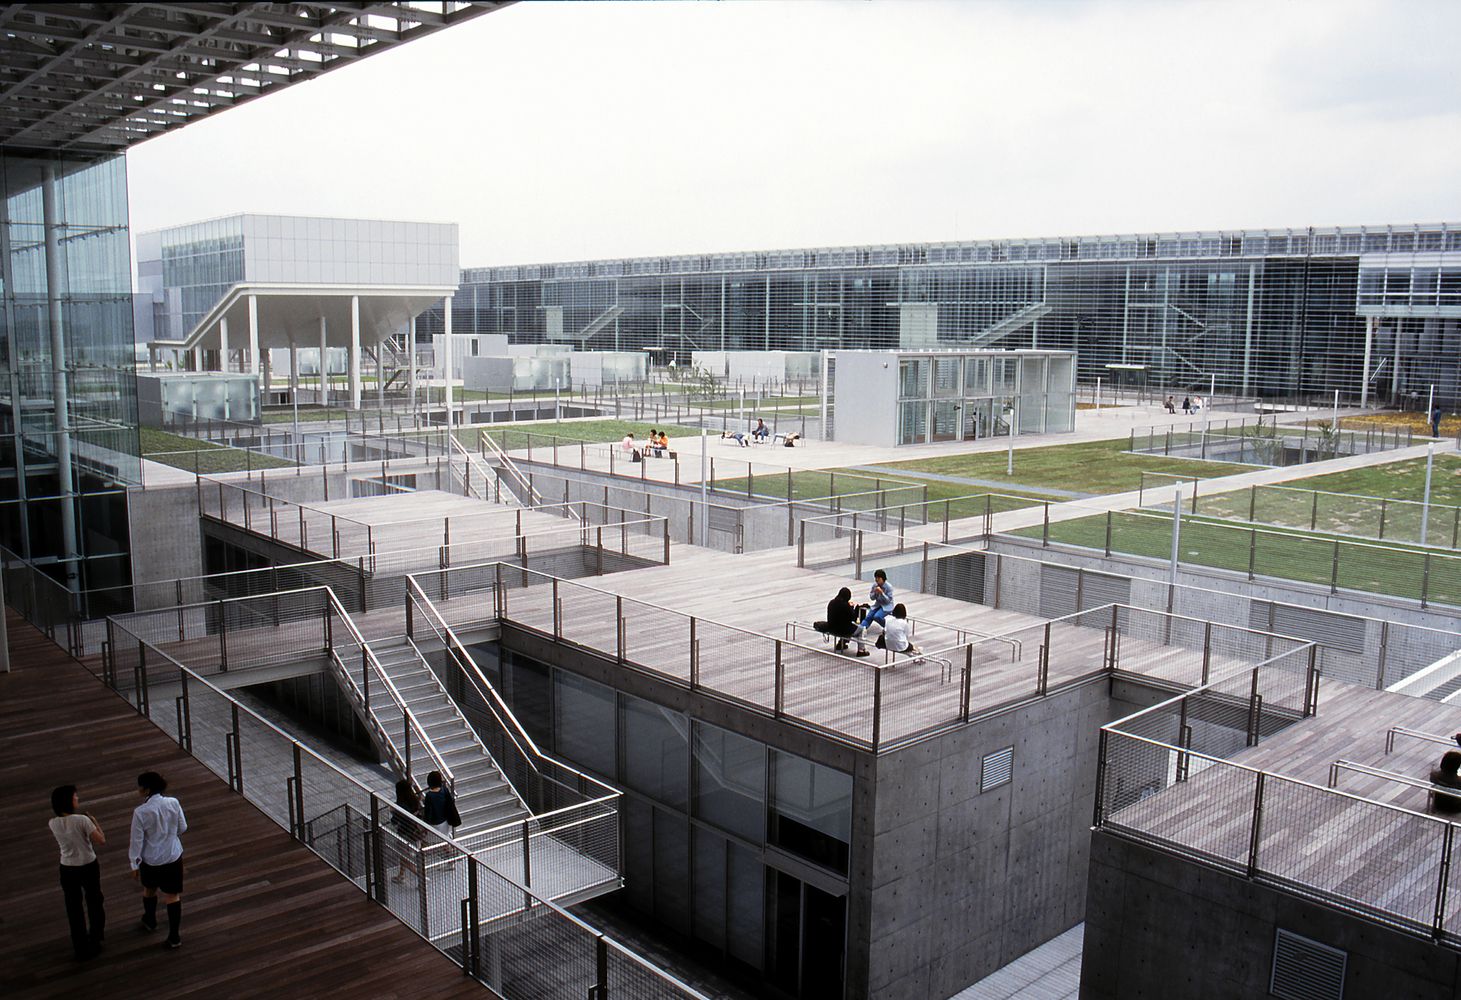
(1160, 926)
(963, 882)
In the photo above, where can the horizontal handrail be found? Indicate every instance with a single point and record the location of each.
(1395, 731)
(1369, 770)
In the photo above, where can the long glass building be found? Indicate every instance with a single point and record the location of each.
(1371, 311)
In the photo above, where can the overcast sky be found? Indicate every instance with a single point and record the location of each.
(563, 131)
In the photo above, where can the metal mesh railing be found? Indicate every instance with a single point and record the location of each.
(1402, 522)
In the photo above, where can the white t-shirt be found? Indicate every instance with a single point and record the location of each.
(895, 634)
(73, 833)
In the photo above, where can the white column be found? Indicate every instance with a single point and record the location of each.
(380, 373)
(1365, 369)
(197, 359)
(60, 391)
(355, 352)
(223, 344)
(253, 368)
(446, 362)
(324, 399)
(293, 370)
(411, 360)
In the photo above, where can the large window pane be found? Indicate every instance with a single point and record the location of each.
(710, 888)
(584, 723)
(811, 810)
(912, 422)
(671, 869)
(746, 889)
(913, 378)
(730, 781)
(657, 752)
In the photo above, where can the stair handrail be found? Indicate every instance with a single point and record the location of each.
(534, 500)
(390, 688)
(488, 693)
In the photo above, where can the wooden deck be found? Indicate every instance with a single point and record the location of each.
(1349, 846)
(262, 916)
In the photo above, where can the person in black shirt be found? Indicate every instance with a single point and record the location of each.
(842, 620)
(1446, 776)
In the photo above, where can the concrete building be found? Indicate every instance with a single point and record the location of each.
(889, 398)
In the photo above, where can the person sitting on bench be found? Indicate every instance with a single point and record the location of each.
(762, 432)
(1446, 776)
(880, 601)
(664, 445)
(842, 621)
(895, 632)
(653, 447)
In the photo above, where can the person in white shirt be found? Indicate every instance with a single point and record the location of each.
(156, 853)
(78, 834)
(895, 632)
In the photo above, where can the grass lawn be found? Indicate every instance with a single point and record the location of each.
(815, 484)
(1293, 555)
(1416, 421)
(1085, 467)
(515, 436)
(201, 456)
(306, 413)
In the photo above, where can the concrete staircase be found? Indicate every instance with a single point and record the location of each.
(484, 797)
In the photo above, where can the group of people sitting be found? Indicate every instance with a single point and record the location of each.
(1190, 404)
(658, 446)
(890, 619)
(760, 433)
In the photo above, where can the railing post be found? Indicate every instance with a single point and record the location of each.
(600, 989)
(527, 845)
(1043, 682)
(1045, 530)
(1425, 581)
(222, 637)
(1108, 533)
(877, 707)
(694, 655)
(780, 698)
(1098, 814)
(1206, 653)
(1255, 833)
(1384, 651)
(557, 612)
(235, 763)
(1334, 573)
(1438, 927)
(968, 682)
(296, 802)
(1311, 683)
(1255, 710)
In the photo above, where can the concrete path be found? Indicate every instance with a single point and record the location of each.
(1050, 972)
(978, 484)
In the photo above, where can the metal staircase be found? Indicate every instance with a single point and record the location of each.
(483, 795)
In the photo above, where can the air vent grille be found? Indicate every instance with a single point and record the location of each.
(1305, 969)
(997, 769)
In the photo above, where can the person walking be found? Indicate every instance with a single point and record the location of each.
(79, 834)
(1436, 422)
(439, 806)
(156, 853)
(408, 804)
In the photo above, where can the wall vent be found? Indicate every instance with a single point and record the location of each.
(1305, 969)
(997, 769)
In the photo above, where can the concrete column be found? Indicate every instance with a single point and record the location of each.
(197, 353)
(380, 373)
(60, 394)
(253, 368)
(446, 361)
(411, 361)
(355, 352)
(223, 344)
(1365, 369)
(324, 399)
(293, 371)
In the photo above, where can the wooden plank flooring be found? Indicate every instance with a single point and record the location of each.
(262, 916)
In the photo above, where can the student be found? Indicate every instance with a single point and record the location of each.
(156, 853)
(739, 437)
(895, 632)
(1446, 776)
(653, 448)
(439, 807)
(664, 444)
(78, 834)
(762, 432)
(1186, 404)
(627, 446)
(408, 802)
(791, 439)
(880, 601)
(1436, 422)
(842, 621)
(1171, 405)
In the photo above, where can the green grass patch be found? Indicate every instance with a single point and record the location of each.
(1398, 571)
(306, 413)
(1087, 467)
(513, 437)
(202, 457)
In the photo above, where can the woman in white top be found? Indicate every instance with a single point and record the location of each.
(78, 834)
(895, 631)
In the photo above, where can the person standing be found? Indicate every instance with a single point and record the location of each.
(78, 834)
(439, 806)
(1436, 422)
(156, 853)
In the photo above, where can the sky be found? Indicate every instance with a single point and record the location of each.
(568, 131)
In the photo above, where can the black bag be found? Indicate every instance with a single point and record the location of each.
(453, 817)
(635, 456)
(822, 627)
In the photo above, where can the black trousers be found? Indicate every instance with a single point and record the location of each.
(80, 882)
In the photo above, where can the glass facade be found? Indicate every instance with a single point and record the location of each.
(706, 815)
(68, 381)
(1268, 312)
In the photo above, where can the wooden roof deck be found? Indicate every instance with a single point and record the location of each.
(262, 915)
(1345, 845)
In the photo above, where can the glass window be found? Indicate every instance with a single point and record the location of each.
(912, 422)
(1004, 375)
(656, 752)
(976, 377)
(528, 695)
(671, 869)
(584, 723)
(946, 376)
(709, 912)
(730, 781)
(638, 853)
(913, 378)
(811, 810)
(746, 917)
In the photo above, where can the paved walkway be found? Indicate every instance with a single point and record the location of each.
(979, 484)
(1050, 972)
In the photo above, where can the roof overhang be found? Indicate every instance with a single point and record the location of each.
(292, 314)
(98, 77)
